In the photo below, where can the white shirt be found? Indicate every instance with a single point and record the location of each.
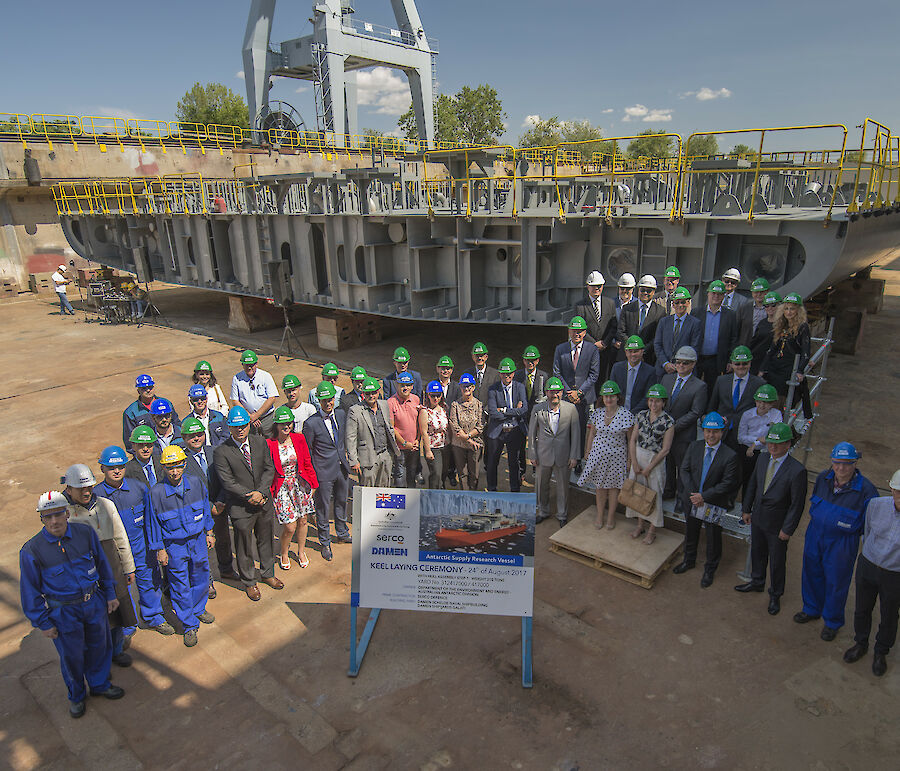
(60, 280)
(251, 394)
(215, 399)
(553, 416)
(327, 418)
(753, 426)
(301, 413)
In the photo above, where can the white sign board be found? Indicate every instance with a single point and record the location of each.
(442, 550)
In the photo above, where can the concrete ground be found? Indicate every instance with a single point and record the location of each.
(675, 677)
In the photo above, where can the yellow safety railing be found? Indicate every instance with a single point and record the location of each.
(879, 157)
(468, 180)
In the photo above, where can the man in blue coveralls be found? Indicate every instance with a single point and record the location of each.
(836, 518)
(132, 500)
(67, 591)
(179, 516)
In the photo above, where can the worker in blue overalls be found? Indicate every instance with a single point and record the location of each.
(179, 517)
(836, 519)
(132, 501)
(67, 591)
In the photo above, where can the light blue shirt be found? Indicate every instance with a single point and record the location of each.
(711, 333)
(251, 394)
(881, 537)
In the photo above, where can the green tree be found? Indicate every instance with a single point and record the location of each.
(702, 144)
(584, 131)
(650, 144)
(472, 116)
(543, 133)
(212, 104)
(744, 151)
(446, 124)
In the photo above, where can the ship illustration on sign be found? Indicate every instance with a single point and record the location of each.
(480, 527)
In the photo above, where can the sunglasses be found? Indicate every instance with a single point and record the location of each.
(683, 361)
(199, 398)
(645, 290)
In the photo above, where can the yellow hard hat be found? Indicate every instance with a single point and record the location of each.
(172, 456)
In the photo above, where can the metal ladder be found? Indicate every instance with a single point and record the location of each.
(321, 87)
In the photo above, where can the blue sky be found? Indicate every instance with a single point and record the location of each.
(683, 67)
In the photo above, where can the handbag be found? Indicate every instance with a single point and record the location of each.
(639, 497)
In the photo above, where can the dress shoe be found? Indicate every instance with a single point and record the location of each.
(253, 592)
(275, 583)
(76, 709)
(854, 654)
(828, 634)
(879, 664)
(748, 587)
(805, 618)
(774, 605)
(211, 594)
(122, 660)
(165, 628)
(343, 538)
(206, 617)
(708, 576)
(540, 518)
(683, 567)
(326, 553)
(113, 692)
(563, 522)
(190, 638)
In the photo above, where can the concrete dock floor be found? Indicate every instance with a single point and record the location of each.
(675, 677)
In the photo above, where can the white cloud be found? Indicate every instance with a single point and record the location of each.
(301, 89)
(608, 111)
(658, 116)
(705, 94)
(115, 112)
(645, 114)
(531, 120)
(383, 89)
(633, 112)
(239, 74)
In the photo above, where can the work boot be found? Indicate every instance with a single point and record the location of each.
(854, 654)
(76, 709)
(113, 692)
(190, 638)
(879, 664)
(206, 617)
(165, 628)
(211, 592)
(122, 660)
(828, 634)
(804, 618)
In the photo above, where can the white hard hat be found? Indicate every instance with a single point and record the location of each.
(595, 278)
(686, 353)
(50, 500)
(626, 281)
(62, 267)
(895, 480)
(648, 280)
(78, 475)
(733, 273)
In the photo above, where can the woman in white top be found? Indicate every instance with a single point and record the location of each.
(434, 435)
(753, 428)
(215, 397)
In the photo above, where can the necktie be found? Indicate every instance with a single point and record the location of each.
(575, 352)
(201, 458)
(246, 450)
(727, 302)
(677, 328)
(677, 388)
(151, 474)
(707, 461)
(632, 371)
(736, 394)
(529, 384)
(333, 427)
(478, 376)
(597, 309)
(770, 472)
(509, 402)
(643, 316)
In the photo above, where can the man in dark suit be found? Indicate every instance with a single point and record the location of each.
(246, 470)
(450, 388)
(634, 375)
(354, 395)
(710, 476)
(324, 434)
(535, 381)
(641, 316)
(687, 400)
(144, 464)
(739, 303)
(600, 314)
(719, 334)
(507, 405)
(772, 506)
(733, 394)
(675, 330)
(577, 364)
(484, 375)
(401, 364)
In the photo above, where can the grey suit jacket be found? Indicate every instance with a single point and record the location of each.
(687, 407)
(551, 449)
(360, 435)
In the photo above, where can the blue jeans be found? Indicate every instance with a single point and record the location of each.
(64, 305)
(137, 308)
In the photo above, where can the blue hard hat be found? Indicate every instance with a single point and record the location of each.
(197, 391)
(466, 379)
(713, 420)
(113, 456)
(237, 416)
(406, 378)
(434, 387)
(161, 407)
(845, 451)
(143, 381)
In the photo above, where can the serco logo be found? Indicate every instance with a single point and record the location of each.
(389, 537)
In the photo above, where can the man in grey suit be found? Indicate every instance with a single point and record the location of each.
(371, 445)
(687, 400)
(675, 330)
(246, 470)
(600, 314)
(772, 506)
(739, 303)
(554, 447)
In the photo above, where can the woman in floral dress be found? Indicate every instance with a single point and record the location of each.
(606, 464)
(434, 435)
(292, 489)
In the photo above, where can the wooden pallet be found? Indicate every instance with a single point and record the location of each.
(615, 552)
(41, 283)
(344, 330)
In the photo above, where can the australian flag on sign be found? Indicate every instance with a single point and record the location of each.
(390, 501)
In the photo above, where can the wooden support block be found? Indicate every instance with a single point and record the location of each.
(41, 283)
(253, 314)
(848, 330)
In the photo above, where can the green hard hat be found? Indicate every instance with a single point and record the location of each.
(741, 355)
(479, 349)
(284, 414)
(445, 361)
(634, 343)
(681, 294)
(793, 298)
(249, 357)
(577, 323)
(716, 286)
(531, 353)
(191, 426)
(766, 393)
(507, 366)
(326, 390)
(672, 272)
(330, 370)
(290, 381)
(203, 366)
(554, 384)
(143, 435)
(370, 385)
(610, 388)
(358, 373)
(759, 285)
(772, 298)
(401, 355)
(779, 432)
(657, 391)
